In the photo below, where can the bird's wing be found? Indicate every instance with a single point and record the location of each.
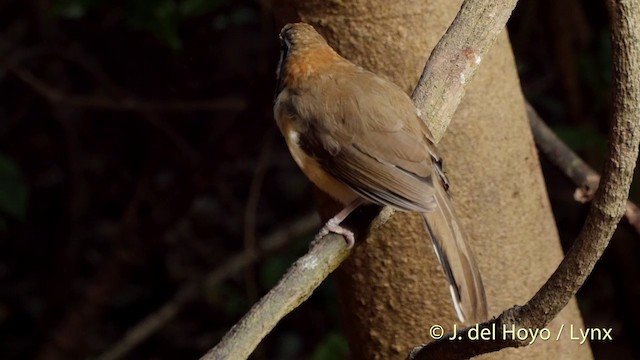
(367, 135)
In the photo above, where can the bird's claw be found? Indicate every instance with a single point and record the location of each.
(332, 226)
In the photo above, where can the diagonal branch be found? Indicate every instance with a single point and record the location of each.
(304, 276)
(605, 212)
(454, 60)
(572, 165)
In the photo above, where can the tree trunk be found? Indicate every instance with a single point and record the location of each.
(392, 287)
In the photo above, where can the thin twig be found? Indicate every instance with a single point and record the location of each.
(606, 210)
(95, 70)
(583, 175)
(189, 292)
(251, 209)
(94, 102)
(255, 189)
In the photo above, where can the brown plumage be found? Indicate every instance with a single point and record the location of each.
(358, 138)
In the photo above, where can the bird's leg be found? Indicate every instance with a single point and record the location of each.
(333, 225)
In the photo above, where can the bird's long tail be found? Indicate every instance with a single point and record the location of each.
(457, 259)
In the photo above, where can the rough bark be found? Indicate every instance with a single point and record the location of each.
(392, 287)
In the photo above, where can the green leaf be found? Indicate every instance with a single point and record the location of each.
(13, 190)
(333, 346)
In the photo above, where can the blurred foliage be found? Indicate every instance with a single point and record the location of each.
(162, 18)
(74, 9)
(243, 15)
(595, 67)
(582, 138)
(273, 267)
(272, 270)
(228, 298)
(13, 191)
(333, 346)
(289, 346)
(192, 8)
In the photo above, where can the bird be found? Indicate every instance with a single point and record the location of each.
(360, 139)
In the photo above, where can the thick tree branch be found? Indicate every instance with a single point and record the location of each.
(585, 178)
(605, 212)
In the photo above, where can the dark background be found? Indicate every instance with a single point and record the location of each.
(132, 133)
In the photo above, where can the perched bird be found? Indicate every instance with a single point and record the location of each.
(358, 138)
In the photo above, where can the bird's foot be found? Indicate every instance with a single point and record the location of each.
(333, 225)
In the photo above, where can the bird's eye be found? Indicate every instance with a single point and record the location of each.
(285, 43)
(284, 51)
(282, 63)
